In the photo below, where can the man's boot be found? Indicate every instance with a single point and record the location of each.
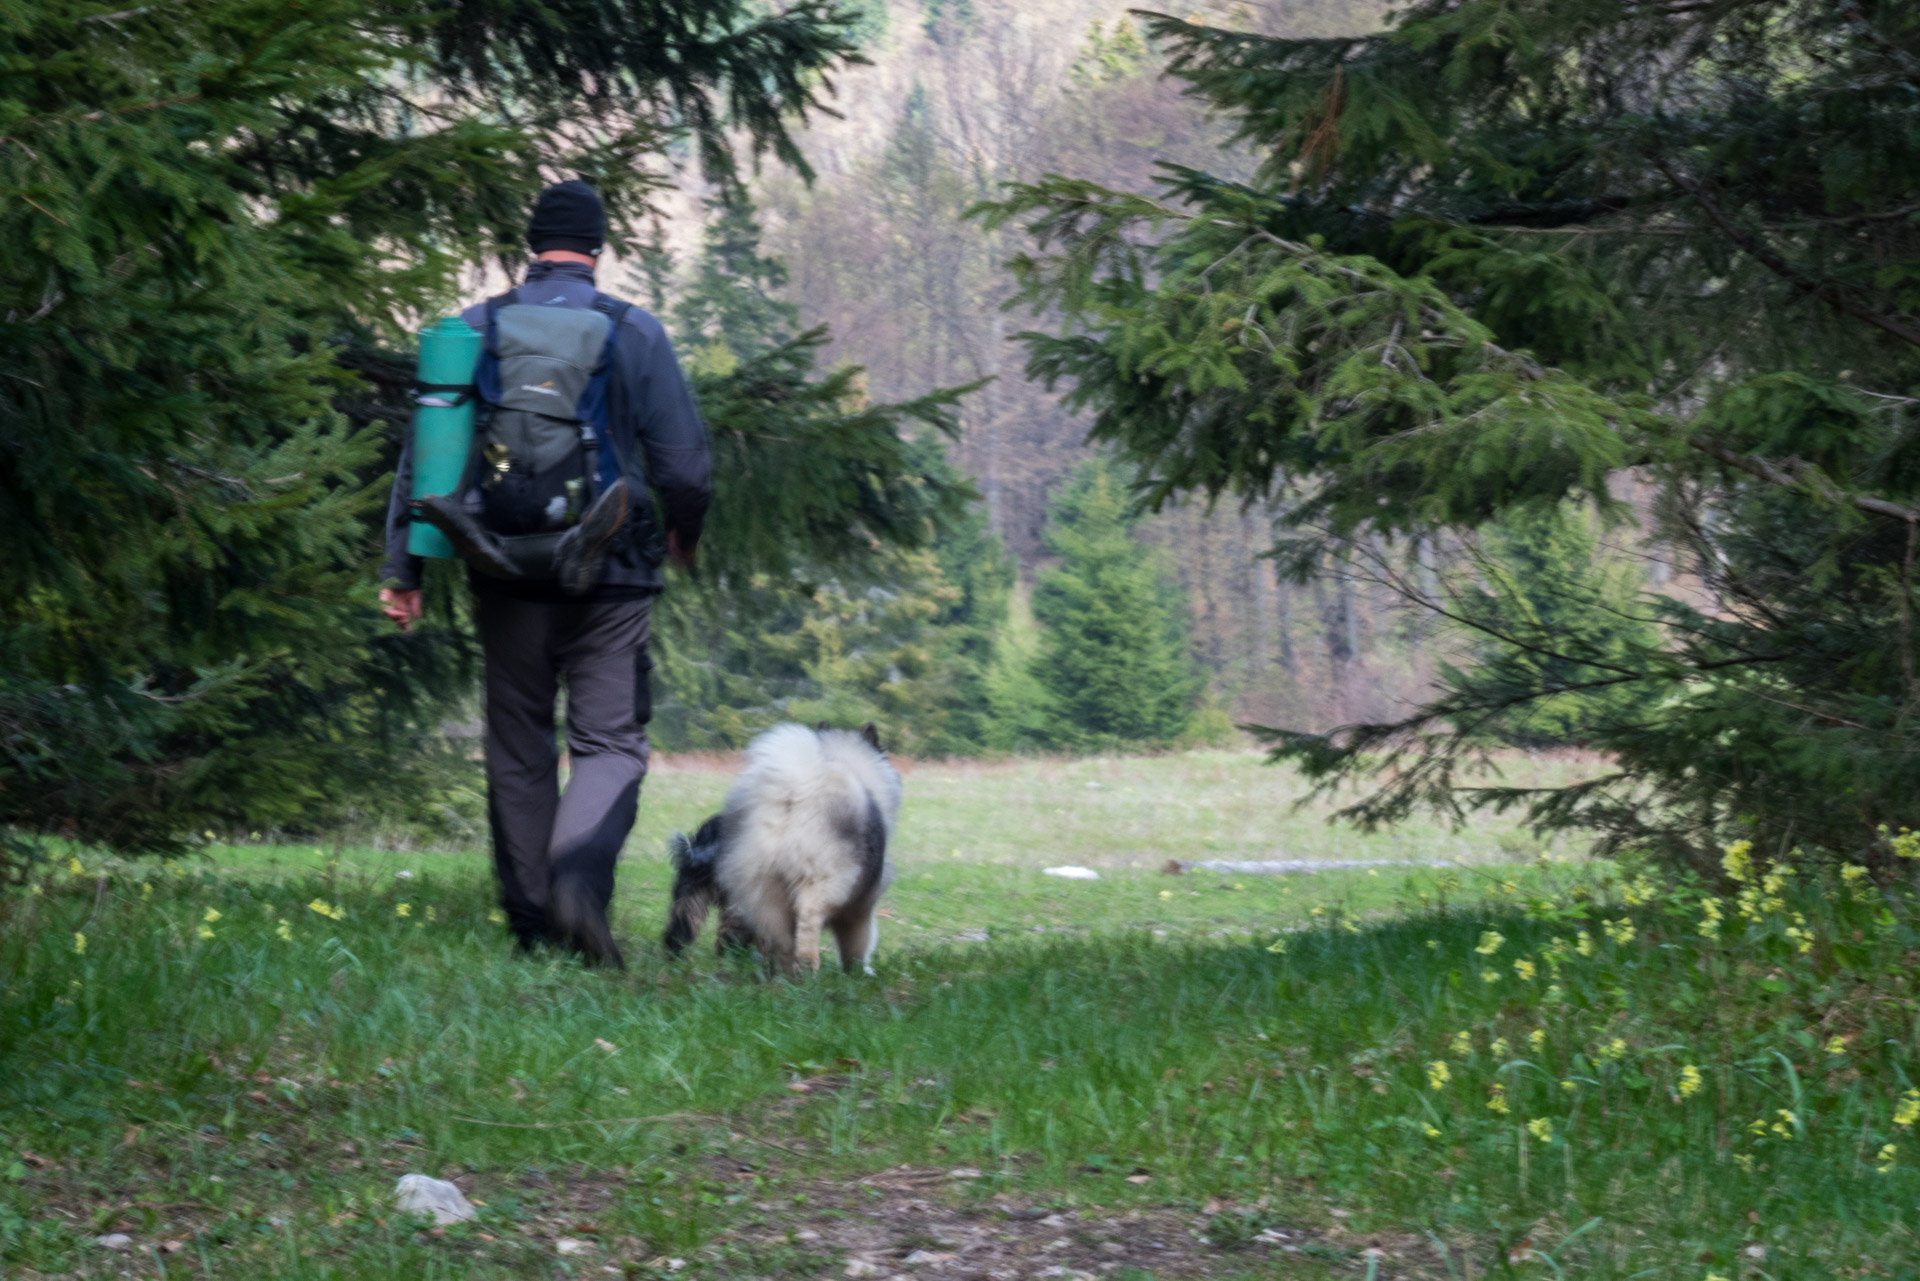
(581, 920)
(583, 549)
(476, 546)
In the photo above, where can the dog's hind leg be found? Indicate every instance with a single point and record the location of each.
(856, 932)
(810, 916)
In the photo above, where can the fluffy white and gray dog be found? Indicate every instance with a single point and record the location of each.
(800, 846)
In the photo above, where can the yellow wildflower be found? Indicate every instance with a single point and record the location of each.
(1640, 892)
(1858, 882)
(1710, 918)
(1744, 1160)
(286, 929)
(1438, 1074)
(1583, 944)
(213, 914)
(1491, 941)
(1784, 1126)
(497, 916)
(1541, 1128)
(73, 866)
(1277, 946)
(320, 907)
(1497, 1100)
(1690, 1081)
(1431, 1131)
(1537, 1039)
(1737, 862)
(1463, 1043)
(79, 943)
(1568, 1086)
(1525, 969)
(1499, 1047)
(1838, 1045)
(1885, 1156)
(1433, 945)
(1489, 976)
(146, 889)
(1620, 931)
(1905, 1112)
(1318, 910)
(205, 931)
(1614, 1049)
(403, 909)
(1166, 893)
(431, 914)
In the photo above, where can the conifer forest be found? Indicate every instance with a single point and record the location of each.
(1380, 535)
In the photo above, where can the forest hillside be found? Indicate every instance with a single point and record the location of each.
(961, 98)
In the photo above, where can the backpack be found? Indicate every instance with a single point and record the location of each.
(541, 448)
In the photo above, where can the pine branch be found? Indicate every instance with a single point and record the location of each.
(1797, 473)
(1826, 291)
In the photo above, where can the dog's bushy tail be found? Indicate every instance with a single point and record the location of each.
(695, 892)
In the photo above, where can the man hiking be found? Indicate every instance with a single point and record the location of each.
(581, 410)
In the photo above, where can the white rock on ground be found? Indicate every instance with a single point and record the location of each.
(424, 1194)
(114, 1240)
(567, 1245)
(1071, 873)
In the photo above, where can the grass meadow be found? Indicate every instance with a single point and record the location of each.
(1514, 1066)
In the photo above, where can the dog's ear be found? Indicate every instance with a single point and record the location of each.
(871, 733)
(678, 847)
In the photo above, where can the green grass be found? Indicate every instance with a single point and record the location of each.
(1223, 1059)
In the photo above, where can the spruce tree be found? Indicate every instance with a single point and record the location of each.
(219, 222)
(832, 589)
(1113, 659)
(1545, 609)
(1501, 253)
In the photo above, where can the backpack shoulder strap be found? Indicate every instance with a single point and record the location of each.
(616, 313)
(486, 377)
(612, 308)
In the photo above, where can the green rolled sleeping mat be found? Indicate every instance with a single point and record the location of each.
(442, 421)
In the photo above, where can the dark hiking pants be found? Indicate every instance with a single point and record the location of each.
(540, 836)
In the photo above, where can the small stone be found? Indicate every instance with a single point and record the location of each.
(857, 1268)
(1071, 872)
(1053, 1221)
(1139, 1178)
(568, 1245)
(919, 1257)
(964, 1172)
(1756, 1252)
(423, 1194)
(114, 1240)
(806, 1234)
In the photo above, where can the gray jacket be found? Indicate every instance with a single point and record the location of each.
(656, 431)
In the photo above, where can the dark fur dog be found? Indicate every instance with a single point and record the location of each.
(696, 892)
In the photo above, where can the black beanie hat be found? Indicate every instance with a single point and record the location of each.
(568, 215)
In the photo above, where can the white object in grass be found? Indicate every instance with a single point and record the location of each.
(424, 1194)
(1072, 873)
